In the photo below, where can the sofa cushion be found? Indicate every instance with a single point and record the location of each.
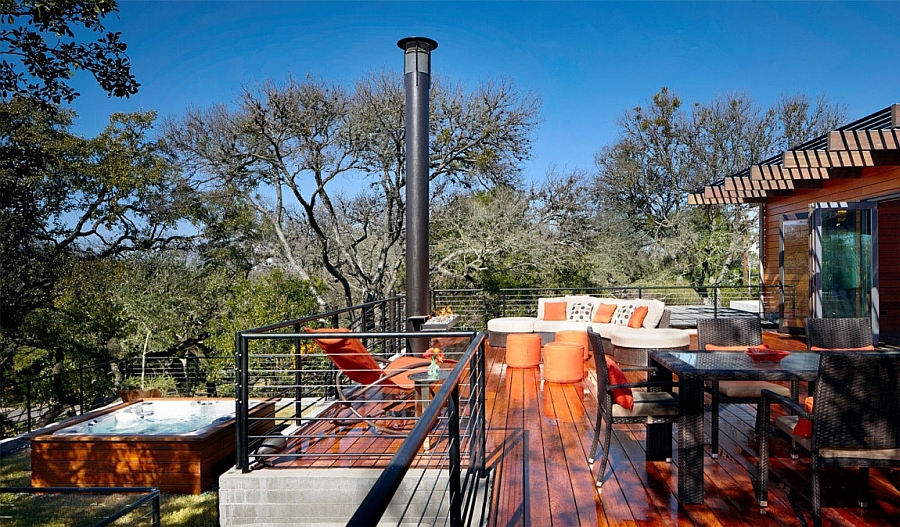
(555, 311)
(623, 314)
(543, 301)
(655, 309)
(603, 313)
(580, 311)
(637, 317)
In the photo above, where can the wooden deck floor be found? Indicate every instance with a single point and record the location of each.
(545, 432)
(539, 437)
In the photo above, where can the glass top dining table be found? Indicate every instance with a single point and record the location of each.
(693, 368)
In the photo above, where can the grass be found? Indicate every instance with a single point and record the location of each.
(76, 510)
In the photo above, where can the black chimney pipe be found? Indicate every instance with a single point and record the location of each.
(417, 81)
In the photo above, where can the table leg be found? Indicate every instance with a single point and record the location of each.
(690, 440)
(659, 436)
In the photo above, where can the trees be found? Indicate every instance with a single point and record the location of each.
(665, 153)
(42, 36)
(324, 167)
(67, 199)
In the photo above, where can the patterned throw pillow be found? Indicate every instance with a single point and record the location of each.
(581, 312)
(623, 314)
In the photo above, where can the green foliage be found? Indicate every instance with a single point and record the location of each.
(41, 36)
(668, 151)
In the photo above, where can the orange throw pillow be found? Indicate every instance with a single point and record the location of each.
(803, 428)
(864, 348)
(555, 311)
(621, 396)
(713, 347)
(638, 316)
(604, 313)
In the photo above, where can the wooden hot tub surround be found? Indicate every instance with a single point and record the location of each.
(182, 464)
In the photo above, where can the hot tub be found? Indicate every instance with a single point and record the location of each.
(177, 445)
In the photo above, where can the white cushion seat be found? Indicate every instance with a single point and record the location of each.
(649, 338)
(499, 328)
(630, 345)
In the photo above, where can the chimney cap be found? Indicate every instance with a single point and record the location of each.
(403, 43)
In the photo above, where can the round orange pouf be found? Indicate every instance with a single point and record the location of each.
(575, 336)
(523, 350)
(563, 362)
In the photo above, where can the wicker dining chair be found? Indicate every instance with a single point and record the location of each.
(839, 333)
(735, 334)
(652, 406)
(855, 420)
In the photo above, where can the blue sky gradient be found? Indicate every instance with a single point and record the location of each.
(587, 61)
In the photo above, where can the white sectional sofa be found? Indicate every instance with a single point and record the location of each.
(580, 312)
(575, 318)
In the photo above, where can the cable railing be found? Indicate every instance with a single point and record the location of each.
(440, 459)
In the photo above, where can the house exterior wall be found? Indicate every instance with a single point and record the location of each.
(875, 182)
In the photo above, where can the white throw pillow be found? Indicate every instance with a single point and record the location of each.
(580, 311)
(623, 314)
(655, 309)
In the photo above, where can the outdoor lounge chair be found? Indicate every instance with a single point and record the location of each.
(368, 372)
(652, 408)
(735, 334)
(855, 420)
(839, 333)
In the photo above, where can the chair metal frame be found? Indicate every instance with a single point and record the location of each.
(855, 420)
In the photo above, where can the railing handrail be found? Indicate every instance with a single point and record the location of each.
(374, 505)
(320, 316)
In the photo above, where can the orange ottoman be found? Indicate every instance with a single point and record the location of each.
(523, 350)
(575, 336)
(563, 362)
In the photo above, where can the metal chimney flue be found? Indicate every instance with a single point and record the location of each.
(417, 81)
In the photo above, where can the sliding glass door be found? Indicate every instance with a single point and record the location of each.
(843, 260)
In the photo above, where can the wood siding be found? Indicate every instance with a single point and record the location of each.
(875, 182)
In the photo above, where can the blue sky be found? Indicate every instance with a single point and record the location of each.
(587, 61)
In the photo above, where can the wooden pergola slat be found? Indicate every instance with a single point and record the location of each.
(839, 158)
(881, 139)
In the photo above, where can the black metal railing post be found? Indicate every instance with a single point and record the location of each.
(242, 392)
(481, 405)
(298, 377)
(455, 463)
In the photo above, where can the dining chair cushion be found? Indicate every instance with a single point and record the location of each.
(864, 348)
(649, 404)
(743, 389)
(713, 347)
(621, 396)
(879, 453)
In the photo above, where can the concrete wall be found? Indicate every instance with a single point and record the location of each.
(318, 497)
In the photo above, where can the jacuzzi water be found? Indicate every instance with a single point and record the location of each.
(157, 417)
